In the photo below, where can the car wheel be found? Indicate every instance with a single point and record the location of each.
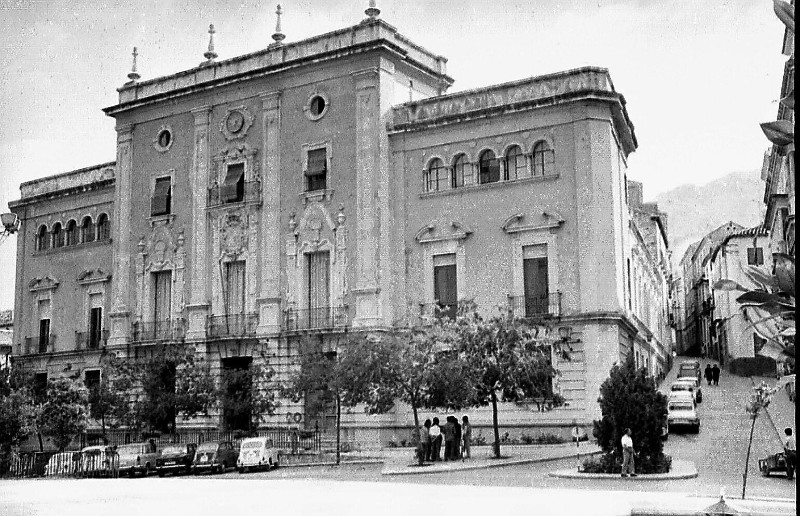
(161, 474)
(223, 467)
(147, 469)
(696, 429)
(240, 470)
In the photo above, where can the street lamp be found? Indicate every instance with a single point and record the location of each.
(10, 225)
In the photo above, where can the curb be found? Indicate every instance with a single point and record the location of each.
(572, 474)
(469, 467)
(342, 463)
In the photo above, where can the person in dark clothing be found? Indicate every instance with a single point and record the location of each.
(708, 374)
(715, 374)
(425, 438)
(457, 442)
(449, 432)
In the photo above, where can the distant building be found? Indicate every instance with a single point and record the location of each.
(296, 191)
(6, 336)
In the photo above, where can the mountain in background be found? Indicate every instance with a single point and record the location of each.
(693, 211)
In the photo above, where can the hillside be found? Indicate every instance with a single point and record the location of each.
(694, 210)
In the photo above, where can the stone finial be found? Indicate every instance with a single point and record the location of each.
(278, 36)
(134, 75)
(210, 55)
(372, 11)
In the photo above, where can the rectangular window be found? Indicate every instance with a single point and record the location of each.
(317, 171)
(44, 335)
(318, 289)
(445, 284)
(755, 256)
(233, 186)
(91, 379)
(161, 203)
(535, 280)
(234, 287)
(95, 326)
(39, 387)
(162, 295)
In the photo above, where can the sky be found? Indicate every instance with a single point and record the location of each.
(698, 75)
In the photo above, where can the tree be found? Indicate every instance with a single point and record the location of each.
(17, 413)
(64, 414)
(505, 357)
(109, 399)
(245, 396)
(629, 399)
(759, 400)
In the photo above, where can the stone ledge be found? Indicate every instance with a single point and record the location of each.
(680, 470)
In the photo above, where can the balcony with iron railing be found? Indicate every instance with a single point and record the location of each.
(39, 344)
(232, 325)
(251, 193)
(324, 318)
(168, 330)
(429, 312)
(87, 340)
(535, 306)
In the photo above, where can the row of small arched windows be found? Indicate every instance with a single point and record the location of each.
(489, 169)
(72, 233)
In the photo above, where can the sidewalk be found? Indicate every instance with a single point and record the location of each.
(404, 463)
(781, 411)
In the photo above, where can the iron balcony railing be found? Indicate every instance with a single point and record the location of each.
(90, 339)
(536, 306)
(428, 312)
(250, 194)
(232, 325)
(169, 330)
(39, 344)
(321, 318)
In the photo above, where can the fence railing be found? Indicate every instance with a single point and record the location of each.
(322, 318)
(39, 344)
(90, 339)
(251, 193)
(92, 464)
(232, 325)
(536, 306)
(169, 330)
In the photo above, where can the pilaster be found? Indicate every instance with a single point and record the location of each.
(121, 248)
(197, 308)
(269, 299)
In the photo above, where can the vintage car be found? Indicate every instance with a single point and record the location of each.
(773, 464)
(691, 369)
(175, 458)
(137, 458)
(215, 456)
(682, 413)
(257, 453)
(98, 461)
(688, 385)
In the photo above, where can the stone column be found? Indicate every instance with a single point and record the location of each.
(366, 292)
(269, 300)
(121, 276)
(197, 308)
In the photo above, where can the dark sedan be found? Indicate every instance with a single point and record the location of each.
(175, 458)
(215, 456)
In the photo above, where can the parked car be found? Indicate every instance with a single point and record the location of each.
(682, 413)
(175, 458)
(64, 463)
(688, 385)
(690, 368)
(773, 464)
(215, 456)
(681, 396)
(257, 453)
(137, 458)
(99, 461)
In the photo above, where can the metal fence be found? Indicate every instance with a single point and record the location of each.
(167, 330)
(533, 306)
(232, 325)
(94, 464)
(90, 339)
(40, 344)
(322, 318)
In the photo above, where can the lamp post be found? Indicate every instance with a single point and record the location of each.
(10, 225)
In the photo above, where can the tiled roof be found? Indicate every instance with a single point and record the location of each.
(755, 231)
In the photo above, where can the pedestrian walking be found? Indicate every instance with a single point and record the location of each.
(449, 431)
(425, 439)
(715, 374)
(790, 452)
(436, 439)
(708, 374)
(628, 464)
(466, 435)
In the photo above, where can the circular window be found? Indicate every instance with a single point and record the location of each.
(316, 107)
(163, 140)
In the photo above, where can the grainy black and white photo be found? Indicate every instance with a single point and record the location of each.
(397, 257)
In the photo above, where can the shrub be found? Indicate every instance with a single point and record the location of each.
(611, 463)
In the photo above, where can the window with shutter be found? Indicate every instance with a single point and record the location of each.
(489, 168)
(445, 284)
(234, 291)
(233, 186)
(755, 256)
(534, 273)
(162, 295)
(317, 170)
(161, 203)
(318, 289)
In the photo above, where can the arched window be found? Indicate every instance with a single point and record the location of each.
(42, 239)
(435, 176)
(489, 168)
(58, 235)
(515, 163)
(71, 233)
(543, 159)
(103, 227)
(462, 172)
(87, 230)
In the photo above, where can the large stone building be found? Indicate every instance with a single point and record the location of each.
(295, 190)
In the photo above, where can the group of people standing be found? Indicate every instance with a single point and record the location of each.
(455, 436)
(711, 374)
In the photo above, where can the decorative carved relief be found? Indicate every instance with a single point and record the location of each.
(90, 276)
(232, 234)
(41, 284)
(452, 231)
(548, 219)
(236, 122)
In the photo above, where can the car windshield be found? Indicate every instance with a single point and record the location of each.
(173, 450)
(681, 387)
(206, 447)
(680, 406)
(130, 450)
(251, 445)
